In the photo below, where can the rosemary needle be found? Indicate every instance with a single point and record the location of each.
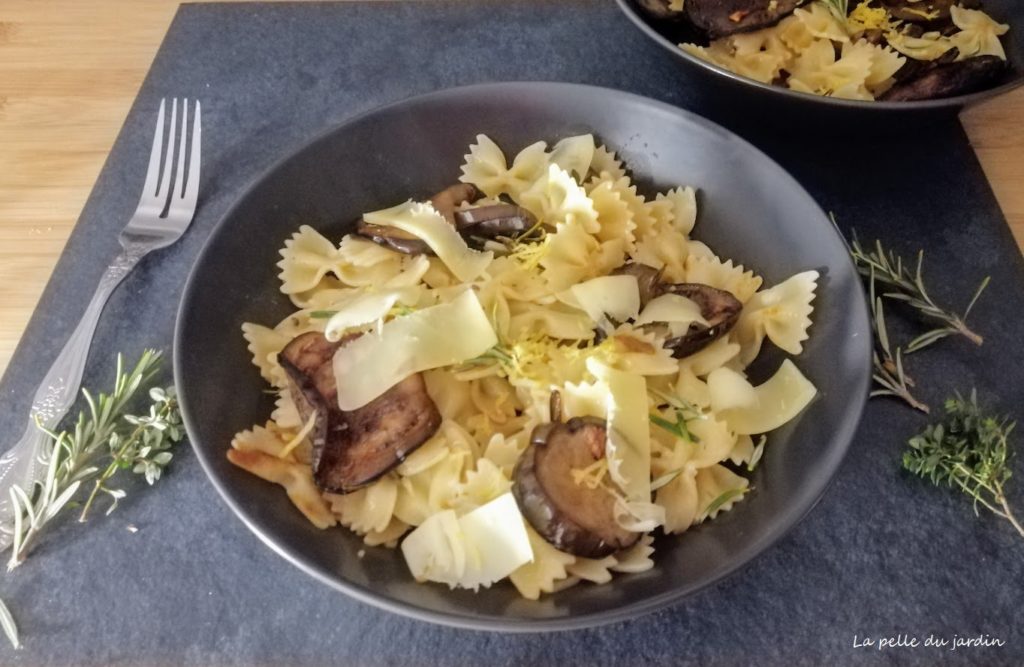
(889, 270)
(888, 371)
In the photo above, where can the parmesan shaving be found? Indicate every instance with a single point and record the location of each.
(422, 221)
(675, 310)
(365, 308)
(628, 447)
(478, 549)
(617, 297)
(375, 362)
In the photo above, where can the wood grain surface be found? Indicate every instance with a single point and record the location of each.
(69, 71)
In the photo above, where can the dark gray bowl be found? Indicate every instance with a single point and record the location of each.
(752, 211)
(761, 98)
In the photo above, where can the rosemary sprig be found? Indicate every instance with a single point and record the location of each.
(676, 428)
(685, 412)
(908, 286)
(839, 9)
(888, 371)
(969, 451)
(71, 456)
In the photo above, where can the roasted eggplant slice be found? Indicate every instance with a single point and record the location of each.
(571, 517)
(445, 202)
(720, 308)
(647, 277)
(947, 80)
(377, 437)
(352, 449)
(394, 238)
(721, 18)
(490, 222)
(659, 9)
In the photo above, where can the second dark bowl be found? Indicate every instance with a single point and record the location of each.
(731, 90)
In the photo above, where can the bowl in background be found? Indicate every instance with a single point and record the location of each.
(753, 97)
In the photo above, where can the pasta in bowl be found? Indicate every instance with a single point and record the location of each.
(525, 376)
(554, 389)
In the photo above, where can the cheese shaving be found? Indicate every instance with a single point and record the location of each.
(475, 550)
(425, 223)
(373, 363)
(617, 297)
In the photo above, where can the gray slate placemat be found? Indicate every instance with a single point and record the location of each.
(881, 555)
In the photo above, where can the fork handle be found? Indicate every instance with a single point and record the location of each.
(59, 388)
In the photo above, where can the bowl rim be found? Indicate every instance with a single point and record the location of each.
(951, 103)
(857, 388)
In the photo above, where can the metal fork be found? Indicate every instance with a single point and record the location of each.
(165, 209)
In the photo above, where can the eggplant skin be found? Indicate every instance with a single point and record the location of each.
(720, 308)
(948, 80)
(369, 442)
(352, 449)
(491, 222)
(648, 280)
(560, 517)
(393, 238)
(444, 202)
(721, 18)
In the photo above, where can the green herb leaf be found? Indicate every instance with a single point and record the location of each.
(676, 428)
(666, 479)
(969, 451)
(755, 457)
(838, 8)
(725, 497)
(685, 412)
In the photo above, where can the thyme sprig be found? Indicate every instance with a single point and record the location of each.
(144, 451)
(888, 371)
(970, 451)
(104, 428)
(889, 270)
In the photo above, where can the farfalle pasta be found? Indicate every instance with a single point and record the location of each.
(525, 377)
(896, 50)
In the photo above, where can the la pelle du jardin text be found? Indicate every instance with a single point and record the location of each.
(956, 642)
